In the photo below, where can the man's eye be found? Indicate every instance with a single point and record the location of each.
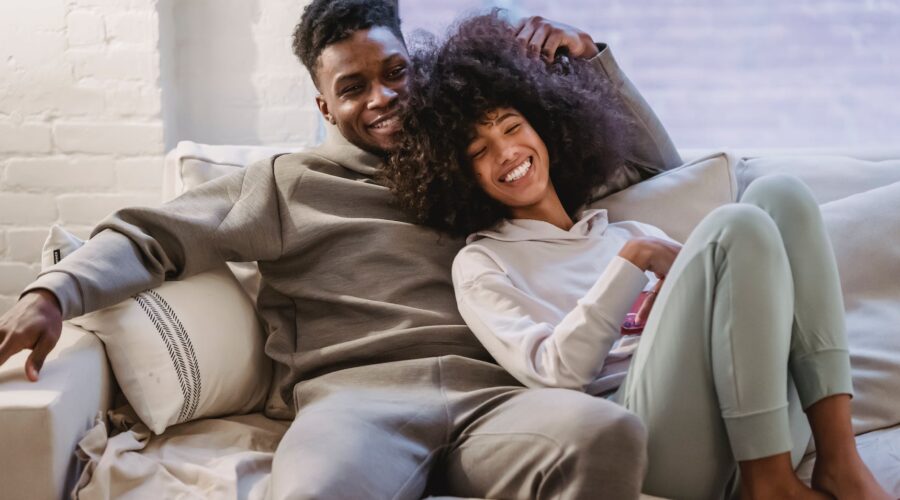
(397, 72)
(352, 89)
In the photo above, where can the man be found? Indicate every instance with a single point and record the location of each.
(394, 397)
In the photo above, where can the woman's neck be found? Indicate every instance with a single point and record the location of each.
(550, 209)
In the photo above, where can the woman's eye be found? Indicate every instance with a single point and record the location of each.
(514, 128)
(477, 154)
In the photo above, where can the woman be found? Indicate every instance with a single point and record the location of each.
(506, 148)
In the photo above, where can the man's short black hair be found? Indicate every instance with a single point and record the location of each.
(325, 22)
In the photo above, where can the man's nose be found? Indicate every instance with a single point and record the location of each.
(382, 96)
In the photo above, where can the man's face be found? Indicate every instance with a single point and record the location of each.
(362, 80)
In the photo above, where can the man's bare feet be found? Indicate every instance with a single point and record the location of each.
(849, 479)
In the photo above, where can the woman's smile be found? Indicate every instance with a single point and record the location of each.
(517, 173)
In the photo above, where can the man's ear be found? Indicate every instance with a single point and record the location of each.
(323, 108)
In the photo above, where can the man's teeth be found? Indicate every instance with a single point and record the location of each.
(386, 123)
(518, 172)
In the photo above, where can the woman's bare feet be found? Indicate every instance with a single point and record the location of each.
(774, 477)
(798, 492)
(839, 469)
(849, 479)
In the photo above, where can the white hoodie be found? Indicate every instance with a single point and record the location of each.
(548, 303)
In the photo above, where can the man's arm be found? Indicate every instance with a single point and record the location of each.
(652, 150)
(234, 218)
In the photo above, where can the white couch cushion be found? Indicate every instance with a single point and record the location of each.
(186, 350)
(678, 199)
(865, 234)
(829, 177)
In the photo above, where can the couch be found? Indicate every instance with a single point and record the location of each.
(74, 430)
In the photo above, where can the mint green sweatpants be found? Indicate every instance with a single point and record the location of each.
(751, 308)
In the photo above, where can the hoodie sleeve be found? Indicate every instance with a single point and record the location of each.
(234, 218)
(506, 320)
(652, 149)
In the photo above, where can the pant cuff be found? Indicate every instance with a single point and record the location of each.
(821, 374)
(760, 434)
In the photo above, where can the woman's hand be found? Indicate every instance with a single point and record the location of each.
(644, 312)
(651, 254)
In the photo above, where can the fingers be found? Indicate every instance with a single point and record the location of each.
(35, 360)
(539, 36)
(7, 348)
(525, 32)
(551, 46)
(536, 43)
(644, 311)
(518, 25)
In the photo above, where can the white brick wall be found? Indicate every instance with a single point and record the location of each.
(236, 79)
(81, 131)
(92, 92)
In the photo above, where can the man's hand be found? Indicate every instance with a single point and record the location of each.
(35, 323)
(545, 37)
(651, 254)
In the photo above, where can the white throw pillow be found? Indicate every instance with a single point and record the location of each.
(678, 199)
(186, 350)
(865, 233)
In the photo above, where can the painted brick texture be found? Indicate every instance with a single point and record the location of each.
(80, 121)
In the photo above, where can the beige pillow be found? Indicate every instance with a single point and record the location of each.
(186, 350)
(678, 199)
(865, 233)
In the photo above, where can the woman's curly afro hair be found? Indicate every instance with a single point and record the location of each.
(481, 67)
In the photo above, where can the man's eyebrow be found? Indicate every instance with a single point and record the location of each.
(340, 80)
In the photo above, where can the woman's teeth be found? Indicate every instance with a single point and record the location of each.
(517, 172)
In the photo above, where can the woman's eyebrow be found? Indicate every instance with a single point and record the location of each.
(508, 114)
(495, 122)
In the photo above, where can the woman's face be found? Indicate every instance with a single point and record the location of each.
(510, 159)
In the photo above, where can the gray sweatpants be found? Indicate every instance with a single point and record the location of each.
(751, 307)
(454, 426)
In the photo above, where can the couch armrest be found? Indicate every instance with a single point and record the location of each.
(42, 422)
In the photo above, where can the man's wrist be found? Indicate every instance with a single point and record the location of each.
(47, 297)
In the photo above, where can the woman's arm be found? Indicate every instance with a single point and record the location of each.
(517, 329)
